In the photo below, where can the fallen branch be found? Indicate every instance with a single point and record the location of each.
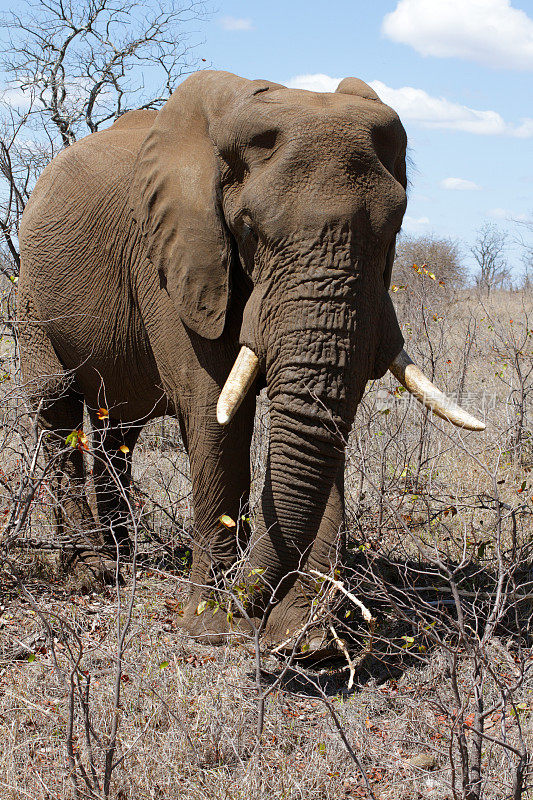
(367, 616)
(342, 646)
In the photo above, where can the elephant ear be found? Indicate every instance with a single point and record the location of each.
(389, 262)
(391, 340)
(176, 199)
(361, 89)
(357, 87)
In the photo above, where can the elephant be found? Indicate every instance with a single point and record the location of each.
(181, 260)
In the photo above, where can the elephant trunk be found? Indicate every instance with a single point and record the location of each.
(301, 469)
(310, 367)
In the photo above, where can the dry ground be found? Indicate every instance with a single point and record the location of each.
(188, 712)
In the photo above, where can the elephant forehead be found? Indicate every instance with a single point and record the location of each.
(315, 117)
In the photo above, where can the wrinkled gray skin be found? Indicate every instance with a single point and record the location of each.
(242, 213)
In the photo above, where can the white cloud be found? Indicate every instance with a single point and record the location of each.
(314, 83)
(417, 106)
(236, 24)
(505, 213)
(15, 98)
(490, 32)
(414, 223)
(460, 184)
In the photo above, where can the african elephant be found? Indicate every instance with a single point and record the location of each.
(244, 223)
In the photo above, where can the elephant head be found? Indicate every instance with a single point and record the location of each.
(304, 194)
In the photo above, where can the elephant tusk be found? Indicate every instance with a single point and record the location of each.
(427, 393)
(239, 380)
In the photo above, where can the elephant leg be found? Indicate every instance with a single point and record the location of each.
(296, 609)
(52, 391)
(74, 522)
(113, 448)
(72, 515)
(220, 475)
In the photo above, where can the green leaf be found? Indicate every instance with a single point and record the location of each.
(72, 439)
(164, 664)
(31, 658)
(321, 747)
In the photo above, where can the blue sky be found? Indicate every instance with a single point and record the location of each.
(458, 72)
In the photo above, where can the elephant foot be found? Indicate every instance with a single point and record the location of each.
(126, 546)
(293, 627)
(212, 625)
(91, 571)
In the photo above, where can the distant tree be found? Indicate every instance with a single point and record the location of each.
(524, 240)
(439, 257)
(489, 251)
(74, 66)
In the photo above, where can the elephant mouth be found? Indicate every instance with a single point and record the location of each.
(246, 368)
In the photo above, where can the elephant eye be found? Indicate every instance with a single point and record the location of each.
(247, 230)
(265, 140)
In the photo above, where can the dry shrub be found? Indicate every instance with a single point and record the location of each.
(104, 696)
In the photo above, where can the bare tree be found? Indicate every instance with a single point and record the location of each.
(525, 243)
(489, 254)
(75, 66)
(441, 257)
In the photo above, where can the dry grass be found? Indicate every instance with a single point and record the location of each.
(188, 712)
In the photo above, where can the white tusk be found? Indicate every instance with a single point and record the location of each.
(427, 393)
(239, 380)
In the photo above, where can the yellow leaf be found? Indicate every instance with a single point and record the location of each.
(227, 521)
(124, 449)
(103, 413)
